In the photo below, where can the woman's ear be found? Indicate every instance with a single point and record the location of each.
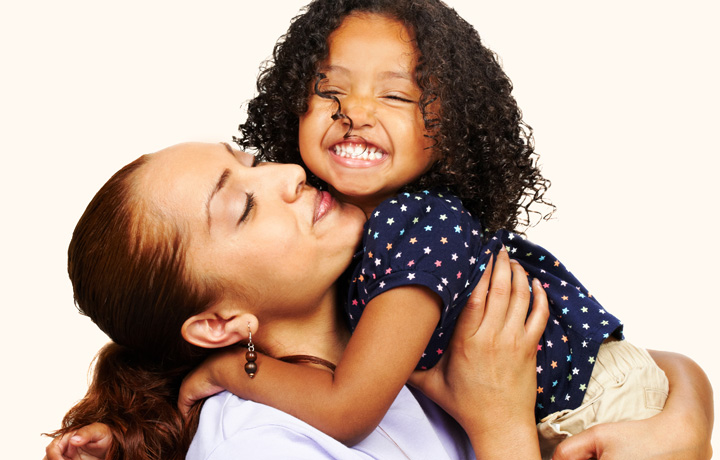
(210, 329)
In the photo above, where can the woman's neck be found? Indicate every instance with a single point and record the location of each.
(322, 333)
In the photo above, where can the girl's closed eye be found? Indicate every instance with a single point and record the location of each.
(397, 97)
(249, 206)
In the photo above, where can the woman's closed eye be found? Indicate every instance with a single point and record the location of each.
(249, 205)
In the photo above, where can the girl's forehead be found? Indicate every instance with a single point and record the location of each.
(361, 38)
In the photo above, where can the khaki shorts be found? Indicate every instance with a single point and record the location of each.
(626, 384)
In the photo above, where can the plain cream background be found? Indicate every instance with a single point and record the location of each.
(622, 95)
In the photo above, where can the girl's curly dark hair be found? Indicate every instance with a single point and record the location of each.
(486, 150)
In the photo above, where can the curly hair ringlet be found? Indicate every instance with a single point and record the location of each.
(485, 149)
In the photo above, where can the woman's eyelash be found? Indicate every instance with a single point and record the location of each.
(249, 205)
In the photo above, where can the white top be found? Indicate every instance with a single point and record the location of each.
(413, 428)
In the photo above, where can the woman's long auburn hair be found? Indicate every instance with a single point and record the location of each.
(129, 276)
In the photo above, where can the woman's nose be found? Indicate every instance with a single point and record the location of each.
(290, 180)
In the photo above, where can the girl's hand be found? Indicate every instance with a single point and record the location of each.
(682, 431)
(206, 380)
(487, 379)
(90, 442)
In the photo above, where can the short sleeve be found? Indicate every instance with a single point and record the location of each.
(426, 239)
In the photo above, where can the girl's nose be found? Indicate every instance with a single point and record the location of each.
(360, 109)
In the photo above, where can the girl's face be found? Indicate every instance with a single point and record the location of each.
(265, 235)
(370, 69)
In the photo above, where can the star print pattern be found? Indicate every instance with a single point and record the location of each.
(430, 239)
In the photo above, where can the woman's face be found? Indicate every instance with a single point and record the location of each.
(264, 234)
(370, 69)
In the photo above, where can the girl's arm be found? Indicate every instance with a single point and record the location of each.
(682, 431)
(383, 351)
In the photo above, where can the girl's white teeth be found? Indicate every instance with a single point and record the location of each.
(358, 152)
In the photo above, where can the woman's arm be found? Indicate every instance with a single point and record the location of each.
(347, 405)
(487, 379)
(682, 431)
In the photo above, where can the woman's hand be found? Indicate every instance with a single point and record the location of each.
(487, 379)
(682, 431)
(90, 442)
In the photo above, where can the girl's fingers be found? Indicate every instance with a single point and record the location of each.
(472, 315)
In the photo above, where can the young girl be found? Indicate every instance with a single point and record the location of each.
(391, 97)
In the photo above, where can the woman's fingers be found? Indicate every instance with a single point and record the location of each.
(537, 321)
(472, 315)
(520, 298)
(498, 298)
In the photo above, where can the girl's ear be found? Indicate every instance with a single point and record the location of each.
(210, 329)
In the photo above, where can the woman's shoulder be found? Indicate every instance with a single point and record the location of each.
(231, 427)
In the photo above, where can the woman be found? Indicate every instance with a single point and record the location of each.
(184, 250)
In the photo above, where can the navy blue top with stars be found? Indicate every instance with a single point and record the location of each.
(430, 239)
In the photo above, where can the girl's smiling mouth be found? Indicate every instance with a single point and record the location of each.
(358, 149)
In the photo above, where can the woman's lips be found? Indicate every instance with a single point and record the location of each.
(323, 205)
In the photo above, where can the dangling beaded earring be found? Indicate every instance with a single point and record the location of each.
(250, 355)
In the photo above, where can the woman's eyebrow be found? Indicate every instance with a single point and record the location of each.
(228, 148)
(218, 186)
